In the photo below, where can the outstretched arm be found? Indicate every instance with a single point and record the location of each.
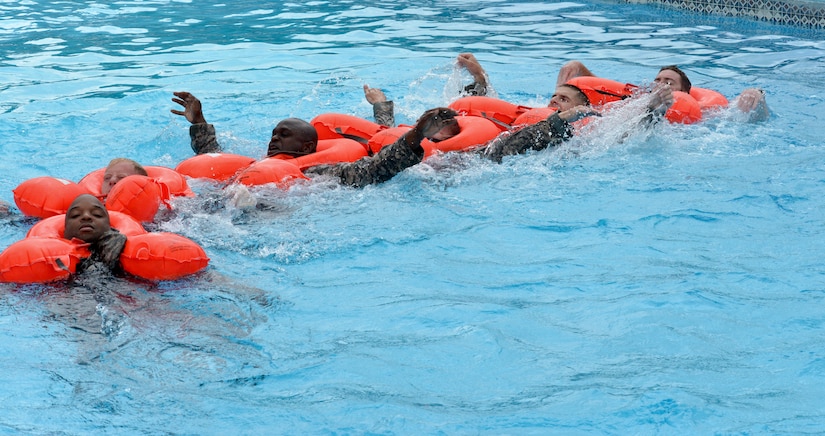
(480, 83)
(396, 157)
(550, 132)
(201, 133)
(382, 110)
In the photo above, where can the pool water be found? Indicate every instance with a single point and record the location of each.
(665, 282)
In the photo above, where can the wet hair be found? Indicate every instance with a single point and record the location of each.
(579, 93)
(686, 85)
(138, 167)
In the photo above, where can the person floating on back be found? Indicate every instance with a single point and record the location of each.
(295, 137)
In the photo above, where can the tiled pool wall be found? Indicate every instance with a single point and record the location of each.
(809, 14)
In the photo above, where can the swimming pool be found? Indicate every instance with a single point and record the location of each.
(671, 283)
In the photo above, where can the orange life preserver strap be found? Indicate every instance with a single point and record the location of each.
(601, 91)
(500, 112)
(335, 126)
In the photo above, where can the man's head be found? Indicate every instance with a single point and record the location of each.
(87, 219)
(118, 169)
(568, 96)
(438, 124)
(294, 137)
(673, 77)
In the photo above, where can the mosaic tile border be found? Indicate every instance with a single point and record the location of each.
(795, 13)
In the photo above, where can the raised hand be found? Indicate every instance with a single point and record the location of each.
(471, 64)
(749, 99)
(374, 95)
(661, 99)
(109, 248)
(192, 107)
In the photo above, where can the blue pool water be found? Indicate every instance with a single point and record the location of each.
(669, 283)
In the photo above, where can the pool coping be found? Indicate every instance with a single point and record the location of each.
(801, 13)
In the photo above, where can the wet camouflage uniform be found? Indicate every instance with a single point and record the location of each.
(381, 167)
(384, 113)
(105, 253)
(548, 133)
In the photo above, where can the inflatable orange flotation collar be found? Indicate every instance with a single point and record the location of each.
(332, 151)
(138, 196)
(387, 137)
(475, 131)
(215, 166)
(153, 256)
(40, 260)
(501, 112)
(283, 170)
(708, 99)
(46, 196)
(534, 115)
(685, 109)
(162, 256)
(174, 180)
(601, 91)
(335, 125)
(43, 197)
(53, 227)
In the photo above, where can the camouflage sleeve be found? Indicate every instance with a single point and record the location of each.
(383, 113)
(546, 133)
(204, 139)
(379, 168)
(476, 88)
(108, 249)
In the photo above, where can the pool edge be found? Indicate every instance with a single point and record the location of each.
(808, 14)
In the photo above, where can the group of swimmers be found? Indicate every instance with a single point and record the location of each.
(294, 137)
(87, 219)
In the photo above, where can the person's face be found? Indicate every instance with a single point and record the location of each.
(288, 137)
(114, 174)
(670, 78)
(86, 219)
(565, 98)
